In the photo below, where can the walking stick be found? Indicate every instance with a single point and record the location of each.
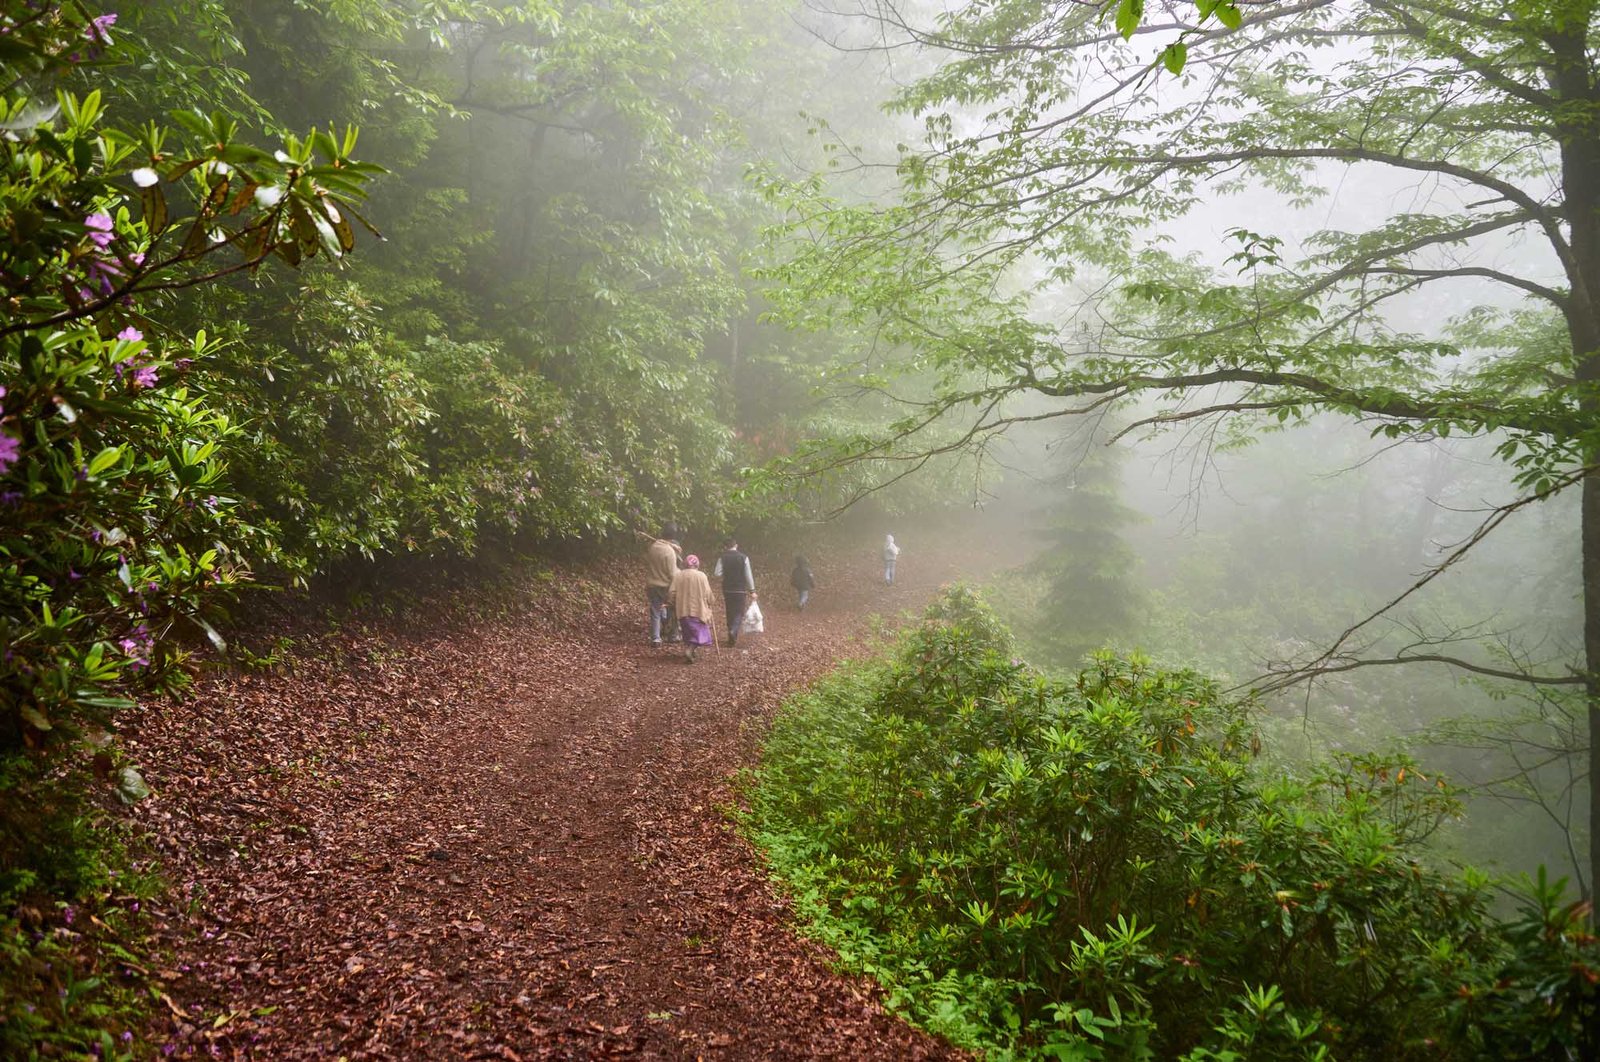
(716, 643)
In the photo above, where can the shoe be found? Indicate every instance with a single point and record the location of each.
(655, 643)
(689, 654)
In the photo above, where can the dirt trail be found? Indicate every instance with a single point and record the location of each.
(504, 840)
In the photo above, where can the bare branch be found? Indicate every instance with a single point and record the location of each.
(1279, 679)
(1465, 665)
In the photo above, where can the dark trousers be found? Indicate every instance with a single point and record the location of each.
(733, 605)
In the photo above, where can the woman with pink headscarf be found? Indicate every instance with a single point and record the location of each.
(690, 595)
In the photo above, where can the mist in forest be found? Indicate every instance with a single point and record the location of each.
(386, 391)
(1244, 562)
(1251, 556)
(593, 247)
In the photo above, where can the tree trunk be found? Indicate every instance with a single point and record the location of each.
(1586, 350)
(1591, 645)
(1572, 80)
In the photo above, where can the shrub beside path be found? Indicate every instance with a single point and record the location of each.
(500, 838)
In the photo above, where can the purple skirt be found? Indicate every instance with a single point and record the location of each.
(695, 631)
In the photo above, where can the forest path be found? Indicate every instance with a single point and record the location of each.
(504, 840)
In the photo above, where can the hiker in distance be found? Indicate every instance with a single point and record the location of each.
(803, 581)
(738, 585)
(661, 564)
(690, 598)
(890, 553)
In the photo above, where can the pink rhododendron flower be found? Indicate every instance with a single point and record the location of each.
(100, 229)
(131, 334)
(99, 28)
(10, 450)
(145, 376)
(104, 274)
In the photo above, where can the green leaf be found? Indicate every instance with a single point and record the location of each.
(1174, 56)
(100, 700)
(154, 201)
(104, 460)
(1129, 14)
(216, 639)
(1230, 16)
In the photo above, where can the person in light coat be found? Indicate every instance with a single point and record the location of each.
(660, 565)
(690, 597)
(890, 553)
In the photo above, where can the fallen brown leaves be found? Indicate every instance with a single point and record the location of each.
(497, 839)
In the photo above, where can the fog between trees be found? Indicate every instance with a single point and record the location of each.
(1300, 202)
(1265, 337)
(631, 251)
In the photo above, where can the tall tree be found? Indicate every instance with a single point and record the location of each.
(1058, 147)
(526, 354)
(1090, 595)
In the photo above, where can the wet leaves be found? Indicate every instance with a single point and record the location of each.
(494, 838)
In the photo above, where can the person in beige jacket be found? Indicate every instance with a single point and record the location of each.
(690, 595)
(660, 565)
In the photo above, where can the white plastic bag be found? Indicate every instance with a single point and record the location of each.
(753, 622)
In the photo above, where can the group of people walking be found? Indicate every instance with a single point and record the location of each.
(676, 585)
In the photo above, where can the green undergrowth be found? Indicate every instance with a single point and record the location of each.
(1102, 868)
(73, 933)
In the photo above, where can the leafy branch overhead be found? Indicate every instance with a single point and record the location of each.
(1065, 190)
(1025, 268)
(1130, 18)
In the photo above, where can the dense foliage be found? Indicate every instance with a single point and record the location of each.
(71, 920)
(1099, 868)
(119, 531)
(1064, 240)
(119, 535)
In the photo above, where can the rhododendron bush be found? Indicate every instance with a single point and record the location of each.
(118, 534)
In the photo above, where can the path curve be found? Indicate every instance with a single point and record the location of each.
(503, 839)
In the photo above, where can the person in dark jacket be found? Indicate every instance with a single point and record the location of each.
(738, 585)
(802, 580)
